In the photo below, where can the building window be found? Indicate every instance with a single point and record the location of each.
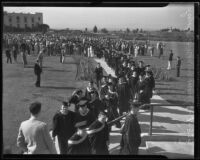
(33, 20)
(25, 19)
(38, 18)
(18, 19)
(10, 19)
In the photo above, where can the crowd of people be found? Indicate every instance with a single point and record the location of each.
(57, 44)
(86, 129)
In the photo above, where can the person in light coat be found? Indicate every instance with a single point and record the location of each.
(33, 136)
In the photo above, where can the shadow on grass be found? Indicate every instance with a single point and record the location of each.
(56, 87)
(57, 70)
(32, 66)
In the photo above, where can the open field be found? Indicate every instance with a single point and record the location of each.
(58, 82)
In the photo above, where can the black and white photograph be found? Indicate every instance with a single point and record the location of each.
(98, 80)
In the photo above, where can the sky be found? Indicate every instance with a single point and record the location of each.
(150, 18)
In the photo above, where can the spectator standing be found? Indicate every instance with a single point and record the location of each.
(8, 55)
(37, 71)
(170, 61)
(34, 137)
(178, 66)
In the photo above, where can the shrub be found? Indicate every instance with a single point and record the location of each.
(162, 75)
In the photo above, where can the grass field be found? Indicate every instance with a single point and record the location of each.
(57, 84)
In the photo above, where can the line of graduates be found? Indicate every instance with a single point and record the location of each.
(81, 132)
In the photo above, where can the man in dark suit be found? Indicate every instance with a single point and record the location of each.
(37, 71)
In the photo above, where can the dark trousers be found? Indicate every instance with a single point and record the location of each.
(37, 84)
(9, 59)
(178, 71)
(63, 145)
(15, 57)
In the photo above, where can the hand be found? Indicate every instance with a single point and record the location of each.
(141, 91)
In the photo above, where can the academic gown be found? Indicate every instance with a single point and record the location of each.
(132, 85)
(124, 96)
(131, 138)
(98, 136)
(112, 104)
(148, 89)
(63, 128)
(83, 121)
(79, 145)
(140, 96)
(96, 106)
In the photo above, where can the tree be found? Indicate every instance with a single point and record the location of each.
(43, 27)
(104, 30)
(95, 29)
(127, 30)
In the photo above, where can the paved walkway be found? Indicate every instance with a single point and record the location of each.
(170, 123)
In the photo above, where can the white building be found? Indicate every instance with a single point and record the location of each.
(22, 20)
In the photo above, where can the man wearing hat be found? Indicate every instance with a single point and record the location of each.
(131, 131)
(133, 79)
(84, 117)
(141, 68)
(148, 69)
(75, 98)
(95, 105)
(98, 134)
(79, 143)
(149, 86)
(104, 88)
(89, 89)
(63, 126)
(111, 105)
